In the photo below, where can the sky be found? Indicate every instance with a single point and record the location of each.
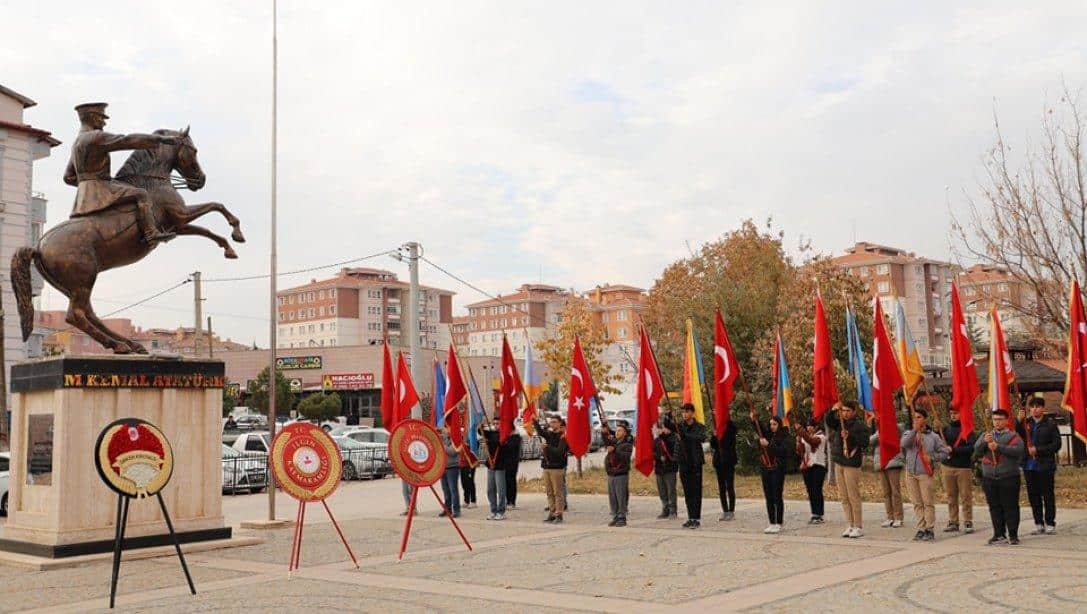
(574, 143)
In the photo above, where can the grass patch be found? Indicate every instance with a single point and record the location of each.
(1071, 486)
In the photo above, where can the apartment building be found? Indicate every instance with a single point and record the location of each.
(527, 315)
(982, 286)
(921, 285)
(360, 306)
(61, 338)
(617, 311)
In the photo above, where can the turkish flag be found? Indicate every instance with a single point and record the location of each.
(510, 394)
(964, 374)
(388, 390)
(455, 393)
(824, 387)
(725, 371)
(1075, 385)
(406, 395)
(886, 379)
(650, 391)
(582, 391)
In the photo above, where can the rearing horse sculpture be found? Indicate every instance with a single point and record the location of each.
(72, 254)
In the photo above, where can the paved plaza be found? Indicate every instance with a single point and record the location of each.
(523, 565)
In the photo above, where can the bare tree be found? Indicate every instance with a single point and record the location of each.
(1031, 215)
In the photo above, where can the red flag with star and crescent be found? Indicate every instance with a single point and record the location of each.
(1075, 385)
(510, 393)
(406, 395)
(388, 390)
(725, 371)
(582, 391)
(886, 379)
(964, 374)
(455, 393)
(650, 391)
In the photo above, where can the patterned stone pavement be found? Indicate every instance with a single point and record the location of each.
(523, 565)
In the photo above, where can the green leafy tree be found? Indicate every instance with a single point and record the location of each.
(549, 400)
(229, 402)
(321, 406)
(258, 393)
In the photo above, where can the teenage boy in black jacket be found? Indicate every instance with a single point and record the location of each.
(553, 462)
(848, 438)
(724, 465)
(619, 447)
(665, 465)
(1043, 441)
(691, 459)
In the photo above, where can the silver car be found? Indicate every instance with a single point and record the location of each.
(363, 460)
(242, 472)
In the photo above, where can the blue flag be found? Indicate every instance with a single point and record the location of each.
(439, 395)
(476, 414)
(856, 362)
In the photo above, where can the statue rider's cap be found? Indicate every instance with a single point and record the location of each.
(88, 109)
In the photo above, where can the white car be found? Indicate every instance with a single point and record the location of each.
(252, 444)
(5, 461)
(363, 459)
(371, 437)
(241, 472)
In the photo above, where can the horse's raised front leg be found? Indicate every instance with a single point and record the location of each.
(193, 212)
(191, 229)
(81, 315)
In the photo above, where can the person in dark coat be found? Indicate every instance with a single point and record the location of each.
(553, 460)
(724, 465)
(1043, 440)
(775, 442)
(848, 437)
(691, 459)
(619, 447)
(958, 475)
(511, 457)
(666, 465)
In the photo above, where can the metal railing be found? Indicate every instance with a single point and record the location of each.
(366, 463)
(247, 473)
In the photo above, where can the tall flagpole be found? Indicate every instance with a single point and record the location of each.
(273, 308)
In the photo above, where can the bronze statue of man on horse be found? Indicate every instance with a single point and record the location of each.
(115, 221)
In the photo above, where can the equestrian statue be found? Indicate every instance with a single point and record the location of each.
(115, 221)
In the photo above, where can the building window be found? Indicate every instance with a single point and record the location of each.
(622, 333)
(1002, 288)
(311, 312)
(883, 269)
(604, 317)
(884, 287)
(332, 342)
(301, 313)
(332, 310)
(321, 310)
(322, 327)
(332, 293)
(290, 300)
(321, 294)
(621, 315)
(312, 328)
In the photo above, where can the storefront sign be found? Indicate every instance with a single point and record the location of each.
(234, 390)
(347, 381)
(288, 363)
(306, 462)
(295, 384)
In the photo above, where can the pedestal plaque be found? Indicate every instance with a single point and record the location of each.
(58, 506)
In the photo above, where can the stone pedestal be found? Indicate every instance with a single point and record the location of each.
(58, 505)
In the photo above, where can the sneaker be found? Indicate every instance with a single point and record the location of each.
(404, 513)
(856, 532)
(687, 523)
(491, 517)
(1050, 530)
(442, 514)
(896, 524)
(456, 514)
(775, 529)
(1014, 541)
(886, 524)
(499, 516)
(550, 518)
(968, 527)
(996, 540)
(673, 517)
(768, 530)
(818, 520)
(847, 531)
(697, 524)
(557, 520)
(929, 536)
(663, 516)
(918, 536)
(723, 517)
(622, 522)
(511, 506)
(1038, 530)
(730, 515)
(951, 528)
(615, 521)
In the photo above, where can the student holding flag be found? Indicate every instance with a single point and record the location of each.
(848, 440)
(774, 441)
(922, 448)
(726, 370)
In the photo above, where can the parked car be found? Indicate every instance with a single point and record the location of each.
(251, 421)
(241, 472)
(5, 478)
(254, 443)
(362, 460)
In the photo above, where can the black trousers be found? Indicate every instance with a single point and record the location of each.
(692, 492)
(1041, 497)
(726, 487)
(814, 477)
(1002, 495)
(511, 484)
(468, 483)
(773, 488)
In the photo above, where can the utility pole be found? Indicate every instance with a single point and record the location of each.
(198, 320)
(273, 307)
(413, 320)
(4, 429)
(211, 351)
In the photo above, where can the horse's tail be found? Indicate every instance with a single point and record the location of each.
(20, 283)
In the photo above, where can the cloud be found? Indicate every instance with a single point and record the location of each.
(592, 141)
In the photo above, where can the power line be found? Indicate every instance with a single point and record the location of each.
(305, 270)
(131, 305)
